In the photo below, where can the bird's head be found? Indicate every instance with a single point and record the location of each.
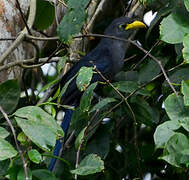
(123, 27)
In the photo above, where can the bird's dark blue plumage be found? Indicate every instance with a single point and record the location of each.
(107, 57)
(65, 125)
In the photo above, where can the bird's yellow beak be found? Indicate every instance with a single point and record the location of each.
(135, 25)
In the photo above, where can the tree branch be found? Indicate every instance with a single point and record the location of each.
(134, 117)
(23, 33)
(22, 15)
(16, 142)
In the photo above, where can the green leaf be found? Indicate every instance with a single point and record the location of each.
(6, 150)
(174, 107)
(41, 134)
(9, 95)
(185, 92)
(48, 85)
(186, 3)
(164, 131)
(144, 112)
(100, 144)
(177, 150)
(80, 138)
(38, 115)
(4, 166)
(61, 63)
(22, 137)
(176, 110)
(45, 15)
(21, 174)
(186, 48)
(173, 29)
(13, 172)
(89, 165)
(102, 103)
(84, 77)
(129, 87)
(35, 156)
(79, 121)
(3, 132)
(73, 20)
(43, 174)
(126, 76)
(64, 89)
(150, 69)
(87, 97)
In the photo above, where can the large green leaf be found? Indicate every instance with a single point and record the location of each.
(73, 20)
(173, 29)
(6, 150)
(45, 14)
(176, 110)
(144, 113)
(164, 132)
(150, 69)
(9, 95)
(41, 134)
(177, 150)
(89, 165)
(38, 115)
(84, 77)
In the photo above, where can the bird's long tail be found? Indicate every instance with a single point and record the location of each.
(65, 125)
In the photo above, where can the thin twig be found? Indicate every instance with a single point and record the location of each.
(62, 2)
(129, 58)
(48, 59)
(145, 56)
(23, 18)
(32, 60)
(156, 77)
(42, 38)
(160, 65)
(8, 39)
(16, 142)
(78, 155)
(120, 39)
(82, 141)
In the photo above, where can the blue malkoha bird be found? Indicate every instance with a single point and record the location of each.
(107, 57)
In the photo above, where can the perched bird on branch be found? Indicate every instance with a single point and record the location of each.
(107, 57)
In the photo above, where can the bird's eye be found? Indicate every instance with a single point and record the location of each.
(122, 26)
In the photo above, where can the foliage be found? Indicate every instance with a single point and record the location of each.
(104, 125)
(73, 20)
